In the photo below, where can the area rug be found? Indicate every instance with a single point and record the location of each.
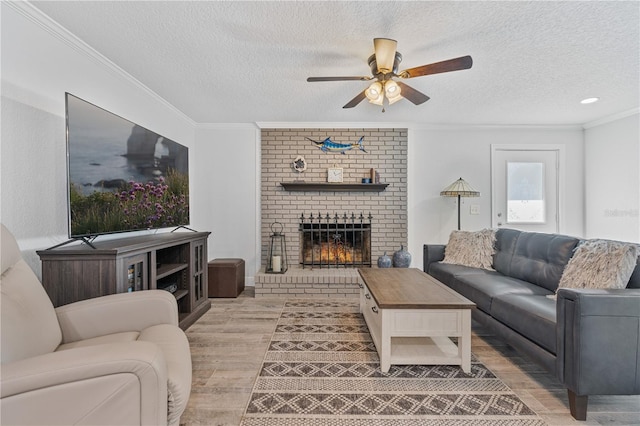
(322, 368)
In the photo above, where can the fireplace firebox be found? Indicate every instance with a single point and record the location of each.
(333, 242)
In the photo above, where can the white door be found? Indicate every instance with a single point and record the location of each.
(525, 188)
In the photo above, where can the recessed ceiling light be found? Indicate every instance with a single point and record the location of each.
(589, 100)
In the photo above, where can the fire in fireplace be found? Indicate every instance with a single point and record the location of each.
(327, 242)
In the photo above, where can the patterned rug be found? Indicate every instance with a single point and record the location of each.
(322, 368)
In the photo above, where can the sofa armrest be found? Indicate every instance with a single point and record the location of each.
(108, 384)
(116, 313)
(432, 253)
(598, 341)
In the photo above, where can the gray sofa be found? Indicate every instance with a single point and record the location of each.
(589, 339)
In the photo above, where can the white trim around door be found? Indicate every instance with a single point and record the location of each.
(549, 160)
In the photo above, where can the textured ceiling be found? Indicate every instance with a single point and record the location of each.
(239, 62)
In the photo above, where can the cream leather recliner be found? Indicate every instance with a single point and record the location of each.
(113, 360)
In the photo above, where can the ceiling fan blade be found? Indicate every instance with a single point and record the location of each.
(385, 51)
(355, 101)
(412, 94)
(363, 78)
(461, 63)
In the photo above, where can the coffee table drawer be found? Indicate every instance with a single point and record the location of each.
(372, 315)
(435, 322)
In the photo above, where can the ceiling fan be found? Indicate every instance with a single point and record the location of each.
(384, 69)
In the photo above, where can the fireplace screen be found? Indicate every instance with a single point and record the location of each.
(327, 242)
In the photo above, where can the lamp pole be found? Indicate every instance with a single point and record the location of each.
(459, 211)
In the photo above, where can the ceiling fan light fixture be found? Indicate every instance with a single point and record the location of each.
(393, 91)
(385, 51)
(374, 91)
(394, 99)
(378, 100)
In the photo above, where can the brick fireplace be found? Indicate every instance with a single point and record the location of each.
(386, 152)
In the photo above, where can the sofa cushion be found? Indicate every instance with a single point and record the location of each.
(533, 316)
(473, 249)
(600, 264)
(505, 246)
(482, 288)
(444, 272)
(541, 258)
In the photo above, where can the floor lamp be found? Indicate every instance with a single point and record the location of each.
(459, 188)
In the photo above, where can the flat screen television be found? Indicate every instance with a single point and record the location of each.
(122, 177)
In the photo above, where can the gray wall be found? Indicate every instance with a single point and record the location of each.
(612, 164)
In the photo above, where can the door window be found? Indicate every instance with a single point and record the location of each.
(525, 192)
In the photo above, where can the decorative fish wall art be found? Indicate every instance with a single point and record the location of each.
(328, 145)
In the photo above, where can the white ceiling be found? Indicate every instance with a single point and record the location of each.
(243, 62)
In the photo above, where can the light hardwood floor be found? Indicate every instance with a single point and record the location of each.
(229, 342)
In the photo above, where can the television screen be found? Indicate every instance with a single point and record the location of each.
(122, 177)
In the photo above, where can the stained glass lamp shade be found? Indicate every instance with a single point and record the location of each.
(459, 188)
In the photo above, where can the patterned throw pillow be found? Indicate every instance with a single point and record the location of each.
(600, 264)
(473, 249)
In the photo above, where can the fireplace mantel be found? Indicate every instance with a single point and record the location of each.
(334, 187)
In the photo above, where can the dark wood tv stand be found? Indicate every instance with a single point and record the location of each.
(175, 261)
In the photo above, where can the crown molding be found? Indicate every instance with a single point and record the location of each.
(334, 125)
(36, 16)
(459, 126)
(611, 118)
(412, 126)
(223, 126)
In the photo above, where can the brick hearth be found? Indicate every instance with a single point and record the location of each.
(309, 283)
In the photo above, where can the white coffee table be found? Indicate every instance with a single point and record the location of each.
(411, 317)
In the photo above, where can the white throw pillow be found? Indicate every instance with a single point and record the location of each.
(600, 264)
(474, 249)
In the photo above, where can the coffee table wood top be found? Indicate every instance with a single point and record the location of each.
(410, 288)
